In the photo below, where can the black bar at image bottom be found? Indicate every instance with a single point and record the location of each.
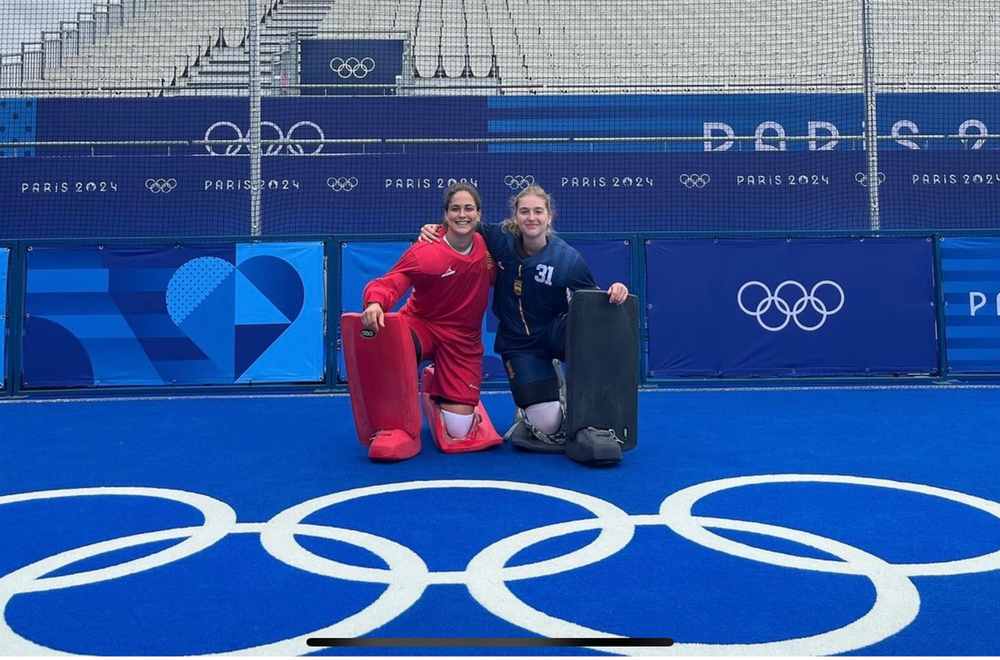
(491, 641)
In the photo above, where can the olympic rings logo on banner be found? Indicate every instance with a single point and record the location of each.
(342, 183)
(518, 182)
(862, 178)
(791, 311)
(157, 186)
(352, 67)
(406, 575)
(234, 138)
(694, 180)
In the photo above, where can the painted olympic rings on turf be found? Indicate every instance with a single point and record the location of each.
(792, 311)
(488, 574)
(234, 139)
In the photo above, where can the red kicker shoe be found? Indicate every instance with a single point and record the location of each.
(393, 445)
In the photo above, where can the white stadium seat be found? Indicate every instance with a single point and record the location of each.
(555, 45)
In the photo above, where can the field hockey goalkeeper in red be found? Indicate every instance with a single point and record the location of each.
(449, 283)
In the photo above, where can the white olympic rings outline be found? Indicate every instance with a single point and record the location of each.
(157, 186)
(862, 178)
(236, 145)
(518, 181)
(342, 183)
(791, 311)
(352, 67)
(694, 180)
(897, 601)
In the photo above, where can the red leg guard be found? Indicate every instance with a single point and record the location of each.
(381, 376)
(481, 436)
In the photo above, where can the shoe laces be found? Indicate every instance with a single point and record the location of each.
(557, 438)
(610, 433)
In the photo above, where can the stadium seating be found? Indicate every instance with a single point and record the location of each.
(533, 46)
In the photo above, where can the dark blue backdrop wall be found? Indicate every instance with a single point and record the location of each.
(175, 167)
(829, 121)
(679, 220)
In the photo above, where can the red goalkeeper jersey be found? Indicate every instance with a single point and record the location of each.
(450, 290)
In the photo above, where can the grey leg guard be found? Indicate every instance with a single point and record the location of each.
(525, 436)
(602, 349)
(517, 428)
(561, 376)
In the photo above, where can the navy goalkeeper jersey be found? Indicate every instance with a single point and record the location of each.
(532, 292)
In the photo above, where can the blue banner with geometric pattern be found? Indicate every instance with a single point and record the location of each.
(200, 314)
(970, 280)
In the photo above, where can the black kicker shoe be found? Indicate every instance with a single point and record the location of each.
(593, 446)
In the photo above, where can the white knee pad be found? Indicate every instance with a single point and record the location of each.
(457, 425)
(547, 417)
